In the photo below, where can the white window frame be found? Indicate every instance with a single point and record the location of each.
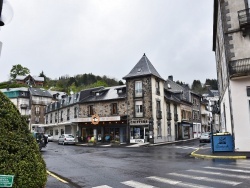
(138, 109)
(138, 88)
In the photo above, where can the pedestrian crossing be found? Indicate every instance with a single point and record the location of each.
(235, 174)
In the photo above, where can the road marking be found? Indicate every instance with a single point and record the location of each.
(206, 179)
(219, 174)
(55, 176)
(185, 147)
(174, 182)
(136, 184)
(228, 169)
(102, 186)
(236, 165)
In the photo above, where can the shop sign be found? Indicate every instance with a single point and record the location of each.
(139, 122)
(6, 180)
(95, 119)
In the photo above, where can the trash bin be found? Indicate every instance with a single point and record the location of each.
(222, 142)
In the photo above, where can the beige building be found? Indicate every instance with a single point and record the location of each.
(231, 44)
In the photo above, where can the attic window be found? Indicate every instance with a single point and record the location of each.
(119, 91)
(138, 70)
(97, 94)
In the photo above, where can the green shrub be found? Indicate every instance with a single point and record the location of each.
(19, 152)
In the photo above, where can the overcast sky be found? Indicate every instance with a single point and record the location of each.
(108, 37)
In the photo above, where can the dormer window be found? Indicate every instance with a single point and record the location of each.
(97, 94)
(139, 70)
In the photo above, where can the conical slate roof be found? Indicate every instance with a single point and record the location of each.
(142, 68)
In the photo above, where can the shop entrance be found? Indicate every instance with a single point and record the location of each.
(111, 134)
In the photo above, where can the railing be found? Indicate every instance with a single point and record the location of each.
(239, 67)
(244, 17)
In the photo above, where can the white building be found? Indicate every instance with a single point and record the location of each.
(231, 44)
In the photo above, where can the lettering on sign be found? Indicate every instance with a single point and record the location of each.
(139, 122)
(6, 180)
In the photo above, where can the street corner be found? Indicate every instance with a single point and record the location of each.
(205, 154)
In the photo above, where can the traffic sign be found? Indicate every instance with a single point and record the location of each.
(6, 180)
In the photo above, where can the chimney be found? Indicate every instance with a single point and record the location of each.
(170, 77)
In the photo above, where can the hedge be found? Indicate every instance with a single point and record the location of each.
(19, 152)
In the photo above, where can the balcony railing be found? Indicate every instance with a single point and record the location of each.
(244, 21)
(239, 67)
(244, 17)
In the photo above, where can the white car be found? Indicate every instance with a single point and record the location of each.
(66, 139)
(49, 137)
(205, 137)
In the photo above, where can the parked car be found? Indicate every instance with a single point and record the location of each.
(66, 139)
(50, 138)
(205, 137)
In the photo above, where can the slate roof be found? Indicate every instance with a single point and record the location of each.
(108, 93)
(143, 68)
(39, 92)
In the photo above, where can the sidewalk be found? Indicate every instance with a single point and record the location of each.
(206, 153)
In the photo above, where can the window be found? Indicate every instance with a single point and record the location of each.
(56, 132)
(138, 109)
(37, 110)
(138, 88)
(51, 118)
(158, 110)
(68, 112)
(75, 112)
(56, 117)
(91, 110)
(169, 129)
(157, 87)
(248, 88)
(114, 108)
(62, 131)
(61, 115)
(36, 120)
(159, 128)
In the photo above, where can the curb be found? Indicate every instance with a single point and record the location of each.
(194, 154)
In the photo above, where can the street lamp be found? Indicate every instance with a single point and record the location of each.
(6, 12)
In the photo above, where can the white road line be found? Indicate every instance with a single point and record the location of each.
(206, 179)
(228, 169)
(136, 184)
(174, 182)
(219, 174)
(236, 165)
(186, 147)
(102, 186)
(242, 163)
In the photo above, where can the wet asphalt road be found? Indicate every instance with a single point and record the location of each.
(83, 166)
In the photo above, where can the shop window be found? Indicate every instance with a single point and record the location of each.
(137, 133)
(138, 109)
(114, 108)
(62, 131)
(138, 88)
(56, 132)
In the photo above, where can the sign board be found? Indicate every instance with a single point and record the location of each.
(6, 180)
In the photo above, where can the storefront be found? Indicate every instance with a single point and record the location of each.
(185, 131)
(105, 130)
(139, 131)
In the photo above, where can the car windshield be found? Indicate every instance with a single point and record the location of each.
(69, 136)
